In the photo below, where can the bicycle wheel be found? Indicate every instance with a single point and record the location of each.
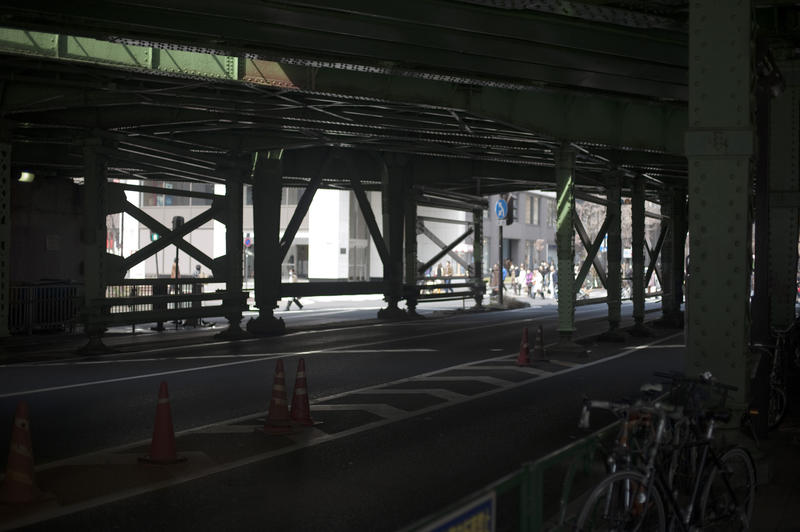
(777, 406)
(729, 493)
(623, 502)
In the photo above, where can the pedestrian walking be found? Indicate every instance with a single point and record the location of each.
(521, 279)
(448, 273)
(294, 299)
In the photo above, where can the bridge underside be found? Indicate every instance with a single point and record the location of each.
(436, 107)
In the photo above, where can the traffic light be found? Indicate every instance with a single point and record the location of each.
(510, 214)
(154, 236)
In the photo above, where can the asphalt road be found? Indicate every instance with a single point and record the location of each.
(384, 455)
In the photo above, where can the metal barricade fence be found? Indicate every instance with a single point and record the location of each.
(45, 307)
(541, 495)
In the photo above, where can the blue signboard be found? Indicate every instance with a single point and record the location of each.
(477, 516)
(501, 209)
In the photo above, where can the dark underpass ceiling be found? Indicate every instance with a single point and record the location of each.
(173, 127)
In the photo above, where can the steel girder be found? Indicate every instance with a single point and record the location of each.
(607, 120)
(267, 186)
(94, 237)
(719, 144)
(437, 39)
(614, 278)
(5, 235)
(784, 177)
(565, 199)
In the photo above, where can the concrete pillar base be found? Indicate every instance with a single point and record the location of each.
(566, 346)
(266, 325)
(95, 346)
(392, 313)
(640, 331)
(672, 320)
(233, 332)
(612, 335)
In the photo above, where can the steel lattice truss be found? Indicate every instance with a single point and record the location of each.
(165, 127)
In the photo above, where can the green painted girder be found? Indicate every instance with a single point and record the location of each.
(75, 48)
(595, 118)
(434, 36)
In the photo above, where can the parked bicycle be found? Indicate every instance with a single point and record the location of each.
(684, 481)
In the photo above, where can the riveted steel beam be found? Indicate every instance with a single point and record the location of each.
(565, 200)
(5, 234)
(369, 219)
(232, 259)
(168, 237)
(719, 145)
(784, 175)
(393, 181)
(591, 247)
(439, 242)
(410, 195)
(614, 254)
(638, 250)
(611, 120)
(267, 187)
(94, 241)
(653, 254)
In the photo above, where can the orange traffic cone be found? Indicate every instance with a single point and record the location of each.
(523, 359)
(19, 485)
(278, 417)
(162, 446)
(301, 412)
(538, 346)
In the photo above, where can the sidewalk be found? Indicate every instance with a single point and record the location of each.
(778, 501)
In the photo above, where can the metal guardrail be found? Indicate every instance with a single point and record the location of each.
(58, 306)
(523, 492)
(43, 307)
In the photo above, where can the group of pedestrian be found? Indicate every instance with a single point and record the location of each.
(541, 280)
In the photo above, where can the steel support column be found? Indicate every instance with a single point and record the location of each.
(410, 198)
(477, 256)
(637, 257)
(233, 254)
(565, 239)
(719, 144)
(668, 266)
(614, 254)
(784, 142)
(393, 185)
(267, 190)
(5, 235)
(94, 243)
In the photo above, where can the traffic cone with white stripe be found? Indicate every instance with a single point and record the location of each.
(278, 421)
(524, 349)
(19, 485)
(301, 411)
(162, 446)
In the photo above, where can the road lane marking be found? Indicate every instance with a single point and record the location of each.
(586, 313)
(447, 395)
(302, 442)
(564, 363)
(379, 409)
(494, 381)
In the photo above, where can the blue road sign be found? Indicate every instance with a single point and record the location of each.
(501, 209)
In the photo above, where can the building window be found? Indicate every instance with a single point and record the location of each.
(205, 188)
(534, 208)
(551, 213)
(291, 195)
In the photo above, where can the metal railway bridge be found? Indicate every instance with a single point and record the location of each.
(693, 105)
